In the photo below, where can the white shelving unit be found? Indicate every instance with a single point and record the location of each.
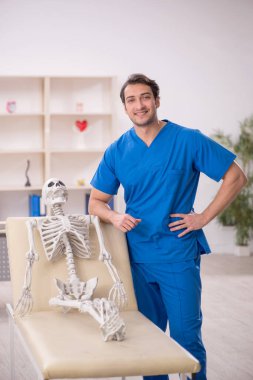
(42, 130)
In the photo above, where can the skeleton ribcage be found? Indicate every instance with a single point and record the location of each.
(76, 228)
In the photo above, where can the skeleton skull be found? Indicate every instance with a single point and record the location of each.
(54, 191)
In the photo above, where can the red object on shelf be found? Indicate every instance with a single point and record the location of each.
(81, 125)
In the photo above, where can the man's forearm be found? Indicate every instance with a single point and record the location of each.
(228, 191)
(102, 210)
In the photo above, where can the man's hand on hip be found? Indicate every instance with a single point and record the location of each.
(190, 222)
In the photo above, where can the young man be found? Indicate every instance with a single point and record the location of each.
(158, 164)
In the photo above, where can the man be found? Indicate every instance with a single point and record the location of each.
(158, 164)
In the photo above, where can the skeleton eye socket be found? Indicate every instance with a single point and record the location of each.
(50, 184)
(61, 183)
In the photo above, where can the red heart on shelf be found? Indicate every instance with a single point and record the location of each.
(81, 125)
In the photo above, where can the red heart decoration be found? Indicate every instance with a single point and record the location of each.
(81, 125)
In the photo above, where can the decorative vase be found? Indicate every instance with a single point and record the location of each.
(79, 129)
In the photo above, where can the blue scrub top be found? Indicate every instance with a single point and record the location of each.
(160, 180)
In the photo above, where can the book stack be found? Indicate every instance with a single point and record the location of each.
(36, 206)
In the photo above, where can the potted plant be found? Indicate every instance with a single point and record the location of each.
(240, 213)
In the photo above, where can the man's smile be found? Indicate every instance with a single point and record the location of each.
(141, 112)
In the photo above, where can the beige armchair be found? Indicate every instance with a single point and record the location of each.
(69, 345)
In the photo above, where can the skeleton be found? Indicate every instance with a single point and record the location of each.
(62, 234)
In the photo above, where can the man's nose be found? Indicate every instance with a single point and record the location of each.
(139, 104)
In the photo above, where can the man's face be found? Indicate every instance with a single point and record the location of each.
(140, 104)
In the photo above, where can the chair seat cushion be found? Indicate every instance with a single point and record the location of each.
(70, 345)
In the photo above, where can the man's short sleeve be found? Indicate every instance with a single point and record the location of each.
(210, 157)
(105, 179)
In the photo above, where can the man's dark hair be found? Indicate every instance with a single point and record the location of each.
(140, 78)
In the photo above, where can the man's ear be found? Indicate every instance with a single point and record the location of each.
(157, 102)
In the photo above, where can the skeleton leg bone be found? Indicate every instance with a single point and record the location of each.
(103, 311)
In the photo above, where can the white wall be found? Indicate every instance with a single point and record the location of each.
(199, 51)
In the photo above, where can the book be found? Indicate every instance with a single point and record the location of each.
(35, 205)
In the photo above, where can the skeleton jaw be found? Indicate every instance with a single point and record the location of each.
(58, 198)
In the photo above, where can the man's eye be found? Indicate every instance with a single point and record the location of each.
(130, 100)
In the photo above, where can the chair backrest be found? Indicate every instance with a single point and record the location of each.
(44, 271)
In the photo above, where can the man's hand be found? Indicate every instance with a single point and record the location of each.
(124, 222)
(98, 205)
(190, 222)
(233, 181)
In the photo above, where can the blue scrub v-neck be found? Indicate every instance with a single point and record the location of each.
(142, 142)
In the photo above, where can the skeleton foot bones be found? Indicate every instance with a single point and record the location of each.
(69, 235)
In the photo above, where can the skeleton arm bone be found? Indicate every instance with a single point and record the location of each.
(117, 292)
(103, 254)
(25, 302)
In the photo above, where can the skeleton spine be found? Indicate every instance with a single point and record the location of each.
(57, 211)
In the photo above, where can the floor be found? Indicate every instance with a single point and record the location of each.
(228, 318)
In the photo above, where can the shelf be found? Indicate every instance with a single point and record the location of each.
(42, 130)
(28, 151)
(78, 151)
(82, 114)
(26, 94)
(24, 114)
(39, 188)
(21, 188)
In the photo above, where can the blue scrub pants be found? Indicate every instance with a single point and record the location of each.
(172, 292)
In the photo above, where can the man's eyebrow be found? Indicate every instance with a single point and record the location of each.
(133, 96)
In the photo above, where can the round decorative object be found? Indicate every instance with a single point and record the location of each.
(81, 182)
(11, 106)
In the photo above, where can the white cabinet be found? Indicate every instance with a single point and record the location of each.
(62, 125)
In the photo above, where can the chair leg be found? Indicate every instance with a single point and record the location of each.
(11, 345)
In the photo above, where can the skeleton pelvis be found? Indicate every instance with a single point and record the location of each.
(77, 289)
